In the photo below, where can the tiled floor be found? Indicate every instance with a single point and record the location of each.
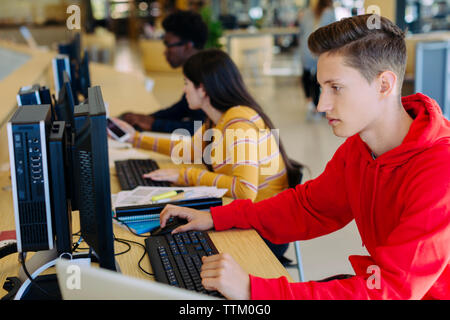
(311, 143)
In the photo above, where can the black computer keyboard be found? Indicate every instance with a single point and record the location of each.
(129, 172)
(176, 259)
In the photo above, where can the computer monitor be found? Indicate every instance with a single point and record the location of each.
(64, 110)
(65, 104)
(72, 50)
(94, 181)
(60, 64)
(84, 75)
(60, 168)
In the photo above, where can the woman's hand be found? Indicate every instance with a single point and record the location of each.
(142, 121)
(125, 127)
(222, 273)
(163, 175)
(197, 219)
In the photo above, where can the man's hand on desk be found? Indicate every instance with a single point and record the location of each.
(143, 121)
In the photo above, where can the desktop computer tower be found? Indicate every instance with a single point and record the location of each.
(28, 132)
(29, 95)
(33, 95)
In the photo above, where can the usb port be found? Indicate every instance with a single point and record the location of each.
(36, 165)
(37, 177)
(34, 171)
(35, 158)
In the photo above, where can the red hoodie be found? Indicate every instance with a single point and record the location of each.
(400, 202)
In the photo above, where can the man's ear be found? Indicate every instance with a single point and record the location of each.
(189, 46)
(387, 83)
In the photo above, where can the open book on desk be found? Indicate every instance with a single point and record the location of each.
(137, 211)
(143, 195)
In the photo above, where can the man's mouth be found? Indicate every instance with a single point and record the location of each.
(333, 121)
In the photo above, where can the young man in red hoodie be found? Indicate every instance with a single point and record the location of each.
(392, 175)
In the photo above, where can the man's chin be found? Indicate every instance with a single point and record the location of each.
(339, 132)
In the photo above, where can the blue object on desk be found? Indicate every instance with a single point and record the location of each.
(141, 227)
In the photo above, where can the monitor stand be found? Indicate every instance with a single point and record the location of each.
(47, 287)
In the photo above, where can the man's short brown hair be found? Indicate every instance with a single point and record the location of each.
(371, 49)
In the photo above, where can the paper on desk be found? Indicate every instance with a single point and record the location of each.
(143, 195)
(118, 145)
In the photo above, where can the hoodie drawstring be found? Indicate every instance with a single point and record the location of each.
(374, 192)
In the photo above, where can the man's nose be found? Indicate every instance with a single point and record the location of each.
(324, 104)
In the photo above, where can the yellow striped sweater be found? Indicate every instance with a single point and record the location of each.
(242, 151)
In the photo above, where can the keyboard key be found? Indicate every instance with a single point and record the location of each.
(193, 236)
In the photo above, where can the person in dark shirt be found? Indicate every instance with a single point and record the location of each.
(185, 34)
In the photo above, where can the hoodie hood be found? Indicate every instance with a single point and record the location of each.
(429, 128)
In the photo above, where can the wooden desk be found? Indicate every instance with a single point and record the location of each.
(246, 246)
(122, 91)
(35, 70)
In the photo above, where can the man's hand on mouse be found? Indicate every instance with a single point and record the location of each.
(197, 219)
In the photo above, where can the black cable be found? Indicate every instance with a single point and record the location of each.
(77, 244)
(33, 281)
(142, 257)
(124, 242)
(134, 242)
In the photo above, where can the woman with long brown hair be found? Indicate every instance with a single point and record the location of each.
(246, 155)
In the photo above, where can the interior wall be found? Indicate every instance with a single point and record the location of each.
(34, 12)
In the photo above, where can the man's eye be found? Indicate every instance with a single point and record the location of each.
(336, 88)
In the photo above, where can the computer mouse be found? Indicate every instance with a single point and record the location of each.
(172, 224)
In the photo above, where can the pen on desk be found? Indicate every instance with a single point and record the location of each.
(166, 195)
(179, 196)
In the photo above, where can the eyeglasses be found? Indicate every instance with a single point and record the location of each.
(175, 44)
